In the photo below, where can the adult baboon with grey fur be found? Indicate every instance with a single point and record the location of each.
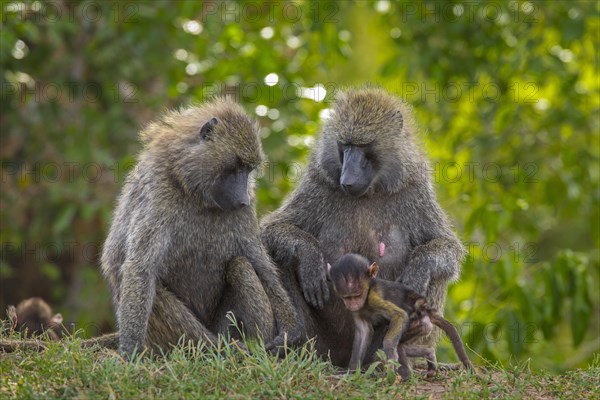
(184, 246)
(366, 190)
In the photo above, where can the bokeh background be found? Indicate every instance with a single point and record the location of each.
(506, 94)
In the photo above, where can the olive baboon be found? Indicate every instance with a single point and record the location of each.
(366, 190)
(184, 246)
(371, 299)
(34, 317)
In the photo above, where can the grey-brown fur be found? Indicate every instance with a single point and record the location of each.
(319, 222)
(34, 317)
(176, 262)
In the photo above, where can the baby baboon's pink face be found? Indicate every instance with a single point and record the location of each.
(351, 277)
(352, 291)
(355, 302)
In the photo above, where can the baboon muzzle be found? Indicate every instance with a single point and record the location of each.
(357, 171)
(231, 190)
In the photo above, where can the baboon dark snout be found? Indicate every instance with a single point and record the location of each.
(231, 191)
(357, 172)
(241, 201)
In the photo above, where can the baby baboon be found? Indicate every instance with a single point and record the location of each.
(184, 246)
(34, 317)
(366, 190)
(371, 300)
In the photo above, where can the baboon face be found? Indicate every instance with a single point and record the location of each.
(352, 291)
(357, 168)
(230, 192)
(351, 276)
(362, 142)
(214, 153)
(349, 285)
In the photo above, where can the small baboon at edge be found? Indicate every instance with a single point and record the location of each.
(34, 317)
(366, 190)
(371, 300)
(184, 248)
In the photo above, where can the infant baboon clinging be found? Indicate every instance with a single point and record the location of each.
(184, 247)
(371, 300)
(366, 190)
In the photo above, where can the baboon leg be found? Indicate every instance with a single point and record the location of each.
(245, 297)
(436, 297)
(307, 314)
(170, 320)
(423, 351)
(376, 342)
(404, 368)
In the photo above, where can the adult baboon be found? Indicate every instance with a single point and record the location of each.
(366, 190)
(184, 246)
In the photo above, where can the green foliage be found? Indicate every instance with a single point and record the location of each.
(506, 95)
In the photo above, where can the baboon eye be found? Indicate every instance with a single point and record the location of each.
(207, 128)
(341, 149)
(364, 162)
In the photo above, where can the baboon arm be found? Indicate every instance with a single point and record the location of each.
(138, 289)
(287, 319)
(398, 323)
(290, 245)
(363, 335)
(287, 242)
(439, 254)
(392, 338)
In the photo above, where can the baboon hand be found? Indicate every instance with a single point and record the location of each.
(293, 337)
(313, 280)
(416, 279)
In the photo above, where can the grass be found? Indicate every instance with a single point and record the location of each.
(67, 371)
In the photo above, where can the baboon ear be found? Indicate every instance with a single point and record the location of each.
(373, 269)
(11, 312)
(328, 275)
(207, 129)
(398, 115)
(57, 319)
